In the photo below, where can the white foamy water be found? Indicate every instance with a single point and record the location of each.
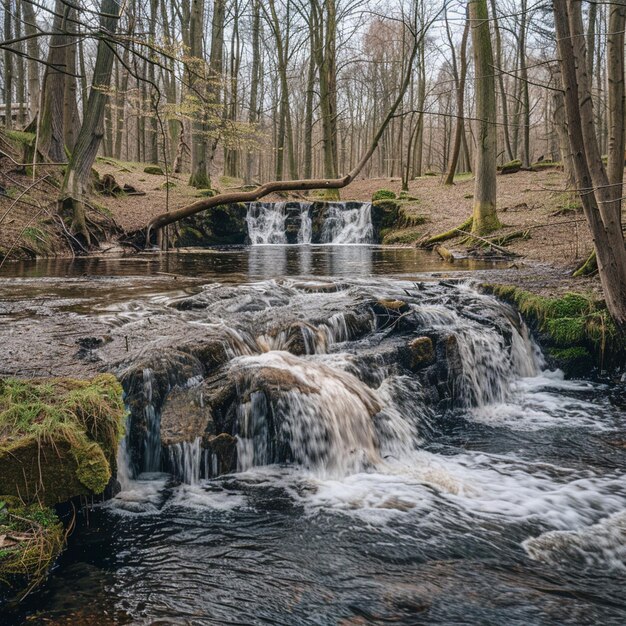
(342, 224)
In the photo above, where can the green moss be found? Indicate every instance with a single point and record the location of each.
(20, 137)
(58, 437)
(206, 193)
(383, 194)
(402, 236)
(169, 184)
(566, 330)
(572, 321)
(154, 170)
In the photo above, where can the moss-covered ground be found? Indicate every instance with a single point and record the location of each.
(576, 328)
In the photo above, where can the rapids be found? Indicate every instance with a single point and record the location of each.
(397, 451)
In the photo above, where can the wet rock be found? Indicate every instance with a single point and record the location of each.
(389, 311)
(224, 447)
(147, 384)
(186, 415)
(385, 215)
(220, 225)
(421, 352)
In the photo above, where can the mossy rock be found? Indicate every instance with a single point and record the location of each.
(572, 321)
(59, 437)
(168, 184)
(577, 361)
(385, 214)
(383, 194)
(20, 137)
(402, 236)
(153, 169)
(206, 193)
(512, 167)
(421, 353)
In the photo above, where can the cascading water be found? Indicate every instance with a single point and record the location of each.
(293, 222)
(345, 226)
(266, 223)
(348, 451)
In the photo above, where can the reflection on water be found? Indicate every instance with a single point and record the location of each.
(255, 262)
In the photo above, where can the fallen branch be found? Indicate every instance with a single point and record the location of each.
(489, 243)
(449, 234)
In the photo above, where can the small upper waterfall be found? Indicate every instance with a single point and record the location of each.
(305, 223)
(348, 225)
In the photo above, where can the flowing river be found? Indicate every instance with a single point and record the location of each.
(398, 451)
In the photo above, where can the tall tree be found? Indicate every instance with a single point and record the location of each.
(601, 198)
(485, 218)
(78, 173)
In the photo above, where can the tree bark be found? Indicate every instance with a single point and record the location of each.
(32, 47)
(78, 172)
(485, 217)
(601, 201)
(460, 78)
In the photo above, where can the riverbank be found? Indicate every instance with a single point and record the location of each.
(535, 203)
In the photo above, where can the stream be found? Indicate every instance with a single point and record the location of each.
(400, 453)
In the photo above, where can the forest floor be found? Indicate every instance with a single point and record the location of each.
(559, 239)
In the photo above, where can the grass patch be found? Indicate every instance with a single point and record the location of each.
(32, 536)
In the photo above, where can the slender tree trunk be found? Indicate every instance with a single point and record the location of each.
(8, 65)
(51, 125)
(32, 48)
(485, 217)
(503, 96)
(78, 172)
(459, 131)
(197, 87)
(253, 114)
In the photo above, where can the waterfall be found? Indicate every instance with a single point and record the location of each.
(348, 225)
(306, 223)
(266, 223)
(331, 379)
(187, 460)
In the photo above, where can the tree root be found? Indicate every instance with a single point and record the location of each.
(450, 234)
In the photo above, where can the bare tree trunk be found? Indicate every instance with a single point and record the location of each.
(51, 129)
(216, 68)
(524, 85)
(71, 121)
(8, 65)
(78, 171)
(503, 96)
(460, 104)
(308, 113)
(32, 47)
(253, 114)
(560, 125)
(602, 207)
(485, 217)
(196, 80)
